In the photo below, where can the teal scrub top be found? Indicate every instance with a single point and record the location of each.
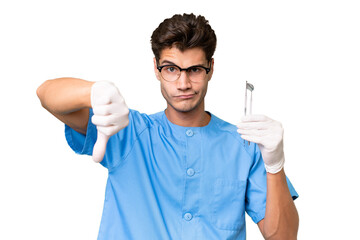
(171, 182)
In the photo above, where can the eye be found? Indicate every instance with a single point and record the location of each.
(195, 70)
(171, 69)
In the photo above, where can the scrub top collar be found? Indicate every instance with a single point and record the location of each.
(177, 129)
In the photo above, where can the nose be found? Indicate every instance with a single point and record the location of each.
(183, 82)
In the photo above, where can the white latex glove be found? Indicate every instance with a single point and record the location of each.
(111, 114)
(268, 134)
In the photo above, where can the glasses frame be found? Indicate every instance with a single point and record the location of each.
(159, 68)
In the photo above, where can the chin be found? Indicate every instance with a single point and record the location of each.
(184, 110)
(184, 107)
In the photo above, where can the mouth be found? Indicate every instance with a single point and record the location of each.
(185, 96)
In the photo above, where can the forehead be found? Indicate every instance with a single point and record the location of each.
(189, 57)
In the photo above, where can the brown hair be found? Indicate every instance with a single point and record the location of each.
(184, 32)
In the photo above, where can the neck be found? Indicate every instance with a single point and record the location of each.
(195, 118)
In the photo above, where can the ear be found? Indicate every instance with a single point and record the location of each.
(157, 73)
(212, 69)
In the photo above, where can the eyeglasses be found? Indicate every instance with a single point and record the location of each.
(171, 73)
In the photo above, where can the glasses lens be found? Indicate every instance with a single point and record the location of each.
(196, 74)
(170, 73)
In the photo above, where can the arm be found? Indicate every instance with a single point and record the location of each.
(68, 99)
(281, 218)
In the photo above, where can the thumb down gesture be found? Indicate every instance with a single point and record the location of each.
(111, 114)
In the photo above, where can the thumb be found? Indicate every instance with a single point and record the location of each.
(100, 147)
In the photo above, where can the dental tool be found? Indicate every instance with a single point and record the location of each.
(249, 87)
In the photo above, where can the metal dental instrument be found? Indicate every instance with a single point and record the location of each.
(249, 87)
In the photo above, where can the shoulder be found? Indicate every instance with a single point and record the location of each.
(143, 120)
(225, 128)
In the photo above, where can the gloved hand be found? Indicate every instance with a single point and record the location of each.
(268, 134)
(111, 114)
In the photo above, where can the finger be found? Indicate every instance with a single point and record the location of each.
(253, 139)
(101, 100)
(100, 147)
(252, 125)
(108, 131)
(104, 121)
(254, 118)
(102, 110)
(256, 136)
(252, 132)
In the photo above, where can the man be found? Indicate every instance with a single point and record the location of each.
(182, 173)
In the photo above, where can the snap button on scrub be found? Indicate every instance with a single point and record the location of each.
(187, 216)
(190, 172)
(189, 133)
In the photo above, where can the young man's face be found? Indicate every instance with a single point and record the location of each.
(183, 95)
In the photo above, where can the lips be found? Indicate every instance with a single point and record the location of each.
(185, 96)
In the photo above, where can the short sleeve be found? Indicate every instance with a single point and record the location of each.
(255, 201)
(119, 145)
(293, 192)
(256, 188)
(80, 143)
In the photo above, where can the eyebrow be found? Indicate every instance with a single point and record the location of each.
(168, 62)
(171, 63)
